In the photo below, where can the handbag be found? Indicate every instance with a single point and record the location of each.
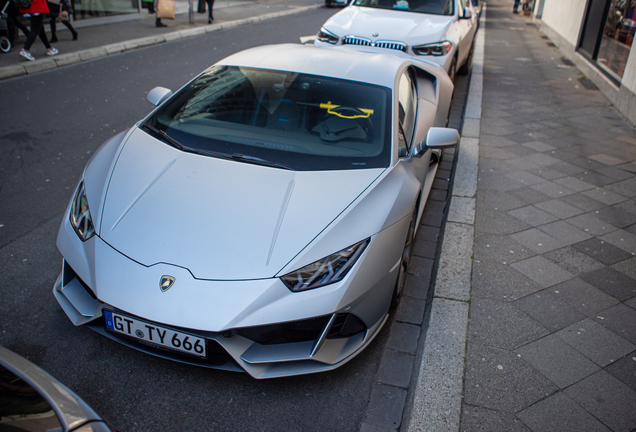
(63, 16)
(166, 8)
(23, 4)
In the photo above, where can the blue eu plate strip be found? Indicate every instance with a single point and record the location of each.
(108, 317)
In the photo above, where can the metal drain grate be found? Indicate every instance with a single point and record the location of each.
(567, 61)
(551, 44)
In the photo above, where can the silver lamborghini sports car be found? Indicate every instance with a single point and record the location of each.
(261, 218)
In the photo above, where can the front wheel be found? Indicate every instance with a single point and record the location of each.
(452, 70)
(5, 44)
(468, 64)
(407, 252)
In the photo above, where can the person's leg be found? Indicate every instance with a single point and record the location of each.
(42, 34)
(210, 13)
(19, 25)
(36, 26)
(69, 26)
(53, 29)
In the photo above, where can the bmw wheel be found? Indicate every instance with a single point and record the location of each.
(468, 64)
(452, 70)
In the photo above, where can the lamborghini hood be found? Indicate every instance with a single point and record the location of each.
(411, 28)
(220, 219)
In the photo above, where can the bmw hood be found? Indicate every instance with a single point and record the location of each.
(409, 27)
(220, 219)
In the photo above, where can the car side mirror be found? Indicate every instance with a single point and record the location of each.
(468, 13)
(437, 138)
(440, 138)
(158, 95)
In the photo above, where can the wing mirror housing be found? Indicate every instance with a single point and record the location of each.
(468, 13)
(437, 138)
(158, 95)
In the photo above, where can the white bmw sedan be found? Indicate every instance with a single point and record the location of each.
(441, 31)
(262, 217)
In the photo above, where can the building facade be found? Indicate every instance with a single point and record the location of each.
(597, 35)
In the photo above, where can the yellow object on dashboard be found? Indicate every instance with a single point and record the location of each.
(330, 107)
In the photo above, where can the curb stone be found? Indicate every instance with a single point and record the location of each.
(438, 391)
(401, 358)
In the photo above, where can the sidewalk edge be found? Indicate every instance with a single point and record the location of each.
(438, 392)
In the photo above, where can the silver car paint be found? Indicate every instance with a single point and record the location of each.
(146, 200)
(71, 411)
(381, 211)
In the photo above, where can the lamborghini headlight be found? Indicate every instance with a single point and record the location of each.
(325, 271)
(81, 216)
(434, 49)
(325, 35)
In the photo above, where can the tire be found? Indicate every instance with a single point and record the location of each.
(453, 70)
(5, 44)
(407, 253)
(468, 64)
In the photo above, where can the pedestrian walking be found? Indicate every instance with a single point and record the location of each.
(62, 10)
(36, 13)
(515, 8)
(151, 9)
(210, 6)
(13, 22)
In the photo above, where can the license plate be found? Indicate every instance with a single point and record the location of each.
(154, 334)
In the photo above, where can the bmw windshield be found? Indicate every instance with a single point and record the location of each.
(281, 119)
(433, 7)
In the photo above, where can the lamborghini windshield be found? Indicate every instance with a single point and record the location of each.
(433, 7)
(281, 119)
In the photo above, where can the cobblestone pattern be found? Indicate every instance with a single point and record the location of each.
(552, 332)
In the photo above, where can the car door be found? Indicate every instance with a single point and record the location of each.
(414, 120)
(467, 28)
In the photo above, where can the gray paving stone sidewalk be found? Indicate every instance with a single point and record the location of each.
(552, 328)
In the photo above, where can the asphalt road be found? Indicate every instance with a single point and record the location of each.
(51, 123)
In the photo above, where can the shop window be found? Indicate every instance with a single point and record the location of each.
(608, 34)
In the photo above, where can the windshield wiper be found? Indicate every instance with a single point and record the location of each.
(236, 156)
(258, 161)
(173, 142)
(164, 136)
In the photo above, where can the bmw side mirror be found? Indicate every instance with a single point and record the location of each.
(158, 95)
(468, 13)
(440, 138)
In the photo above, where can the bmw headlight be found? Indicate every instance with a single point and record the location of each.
(325, 35)
(325, 271)
(81, 216)
(434, 49)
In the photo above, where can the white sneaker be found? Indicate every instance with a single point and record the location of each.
(26, 54)
(52, 51)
